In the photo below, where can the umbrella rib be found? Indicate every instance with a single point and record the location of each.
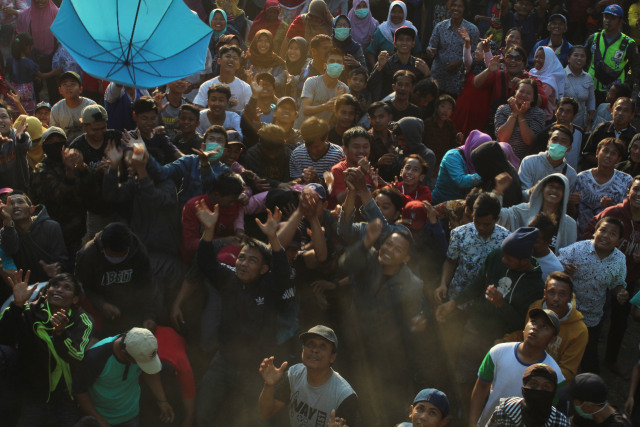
(133, 31)
(177, 53)
(154, 30)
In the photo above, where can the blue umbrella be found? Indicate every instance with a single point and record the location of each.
(143, 43)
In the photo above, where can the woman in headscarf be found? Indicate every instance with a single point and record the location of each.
(295, 60)
(236, 17)
(457, 175)
(36, 20)
(383, 36)
(632, 165)
(354, 57)
(269, 19)
(549, 70)
(261, 58)
(363, 24)
(218, 23)
(489, 160)
(317, 20)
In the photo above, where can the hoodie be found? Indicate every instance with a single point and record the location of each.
(14, 167)
(520, 215)
(43, 241)
(489, 161)
(412, 128)
(569, 346)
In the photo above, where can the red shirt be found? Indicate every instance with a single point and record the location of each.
(422, 193)
(172, 348)
(494, 84)
(339, 186)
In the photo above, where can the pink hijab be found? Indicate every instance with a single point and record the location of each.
(511, 155)
(37, 22)
(362, 29)
(474, 140)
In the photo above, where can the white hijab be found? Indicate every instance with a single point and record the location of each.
(552, 72)
(388, 28)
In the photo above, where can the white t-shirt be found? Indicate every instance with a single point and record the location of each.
(68, 118)
(549, 264)
(240, 93)
(231, 121)
(504, 370)
(315, 89)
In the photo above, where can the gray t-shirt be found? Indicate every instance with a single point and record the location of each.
(69, 118)
(315, 89)
(311, 406)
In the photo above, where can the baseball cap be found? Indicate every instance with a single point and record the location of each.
(550, 315)
(43, 104)
(519, 244)
(558, 15)
(540, 370)
(286, 99)
(6, 190)
(70, 75)
(615, 10)
(414, 215)
(436, 398)
(34, 126)
(405, 30)
(585, 387)
(323, 332)
(234, 138)
(53, 130)
(93, 113)
(319, 190)
(143, 347)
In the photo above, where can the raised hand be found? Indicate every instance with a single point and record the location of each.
(129, 140)
(270, 226)
(50, 269)
(464, 36)
(269, 373)
(158, 97)
(503, 181)
(383, 57)
(21, 127)
(494, 64)
(114, 154)
(336, 421)
(373, 231)
(59, 320)
(15, 96)
(207, 218)
(432, 213)
(6, 214)
(494, 296)
(71, 157)
(109, 311)
(20, 286)
(422, 66)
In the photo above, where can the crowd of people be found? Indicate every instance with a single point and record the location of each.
(359, 213)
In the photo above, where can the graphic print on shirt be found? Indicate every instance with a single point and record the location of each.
(305, 413)
(116, 277)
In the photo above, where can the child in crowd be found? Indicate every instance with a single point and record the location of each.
(145, 114)
(218, 101)
(439, 131)
(414, 171)
(603, 111)
(430, 409)
(186, 138)
(66, 113)
(358, 87)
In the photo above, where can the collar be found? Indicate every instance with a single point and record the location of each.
(612, 128)
(568, 72)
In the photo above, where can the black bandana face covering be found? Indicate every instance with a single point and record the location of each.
(53, 150)
(536, 407)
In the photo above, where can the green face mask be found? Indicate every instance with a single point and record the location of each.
(557, 151)
(210, 146)
(362, 13)
(584, 415)
(341, 34)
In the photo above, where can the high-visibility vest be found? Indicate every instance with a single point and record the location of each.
(614, 56)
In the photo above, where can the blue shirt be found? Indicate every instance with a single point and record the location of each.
(380, 43)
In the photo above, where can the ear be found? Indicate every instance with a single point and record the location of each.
(443, 422)
(32, 208)
(410, 410)
(264, 269)
(218, 60)
(75, 300)
(407, 258)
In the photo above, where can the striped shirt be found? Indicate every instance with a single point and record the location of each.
(300, 160)
(509, 414)
(534, 118)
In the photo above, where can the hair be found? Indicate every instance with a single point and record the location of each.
(634, 141)
(20, 44)
(404, 73)
(353, 133)
(618, 144)
(378, 104)
(191, 109)
(423, 164)
(562, 128)
(117, 237)
(228, 184)
(571, 101)
(520, 50)
(545, 224)
(623, 89)
(560, 276)
(144, 104)
(486, 204)
(216, 129)
(318, 39)
(229, 48)
(264, 250)
(359, 71)
(427, 86)
(219, 87)
(445, 98)
(78, 291)
(471, 198)
(20, 193)
(261, 77)
(393, 194)
(625, 99)
(518, 29)
(533, 84)
(611, 220)
(574, 48)
(226, 39)
(335, 52)
(271, 135)
(313, 129)
(347, 99)
(404, 233)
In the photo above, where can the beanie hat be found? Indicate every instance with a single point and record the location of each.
(519, 244)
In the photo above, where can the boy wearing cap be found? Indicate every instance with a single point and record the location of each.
(557, 27)
(43, 113)
(535, 408)
(382, 74)
(430, 409)
(312, 389)
(503, 367)
(588, 392)
(66, 113)
(106, 383)
(285, 115)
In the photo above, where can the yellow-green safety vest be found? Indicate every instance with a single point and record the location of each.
(615, 56)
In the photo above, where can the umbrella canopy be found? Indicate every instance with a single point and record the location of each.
(141, 43)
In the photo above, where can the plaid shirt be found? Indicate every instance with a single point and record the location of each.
(509, 414)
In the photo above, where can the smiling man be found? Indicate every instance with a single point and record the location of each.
(356, 144)
(312, 389)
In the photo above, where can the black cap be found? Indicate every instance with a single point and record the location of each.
(405, 30)
(322, 332)
(585, 387)
(550, 315)
(540, 370)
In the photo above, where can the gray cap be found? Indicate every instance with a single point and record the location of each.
(50, 131)
(551, 315)
(322, 332)
(93, 113)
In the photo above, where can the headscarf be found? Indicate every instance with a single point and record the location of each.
(388, 28)
(224, 15)
(511, 155)
(319, 9)
(261, 23)
(362, 29)
(295, 68)
(474, 140)
(266, 60)
(347, 45)
(552, 72)
(490, 160)
(37, 22)
(231, 8)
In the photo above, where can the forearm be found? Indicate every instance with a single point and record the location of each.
(267, 402)
(525, 131)
(448, 270)
(288, 232)
(478, 400)
(154, 383)
(635, 379)
(189, 412)
(86, 405)
(318, 242)
(481, 79)
(311, 110)
(505, 131)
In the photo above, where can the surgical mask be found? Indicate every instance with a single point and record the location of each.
(341, 34)
(210, 146)
(584, 415)
(362, 13)
(53, 150)
(116, 260)
(556, 151)
(334, 70)
(537, 405)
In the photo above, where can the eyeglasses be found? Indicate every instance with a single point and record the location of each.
(514, 57)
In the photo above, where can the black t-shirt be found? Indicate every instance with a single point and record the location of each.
(90, 155)
(412, 111)
(614, 420)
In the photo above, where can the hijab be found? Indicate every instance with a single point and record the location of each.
(224, 15)
(261, 23)
(37, 22)
(295, 68)
(319, 9)
(490, 160)
(474, 140)
(552, 72)
(263, 60)
(511, 155)
(362, 29)
(231, 8)
(388, 28)
(347, 45)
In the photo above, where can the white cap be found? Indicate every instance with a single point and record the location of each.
(143, 347)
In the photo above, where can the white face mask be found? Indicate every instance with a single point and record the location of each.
(115, 260)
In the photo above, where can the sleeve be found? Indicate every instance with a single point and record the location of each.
(527, 173)
(359, 56)
(113, 93)
(158, 195)
(620, 273)
(282, 390)
(570, 359)
(86, 373)
(9, 319)
(57, 249)
(339, 186)
(207, 259)
(348, 410)
(374, 84)
(476, 288)
(565, 254)
(190, 228)
(295, 169)
(23, 144)
(308, 88)
(487, 368)
(454, 250)
(355, 258)
(281, 270)
(74, 340)
(9, 240)
(434, 41)
(86, 275)
(593, 140)
(591, 100)
(634, 61)
(201, 97)
(113, 191)
(501, 116)
(458, 171)
(374, 46)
